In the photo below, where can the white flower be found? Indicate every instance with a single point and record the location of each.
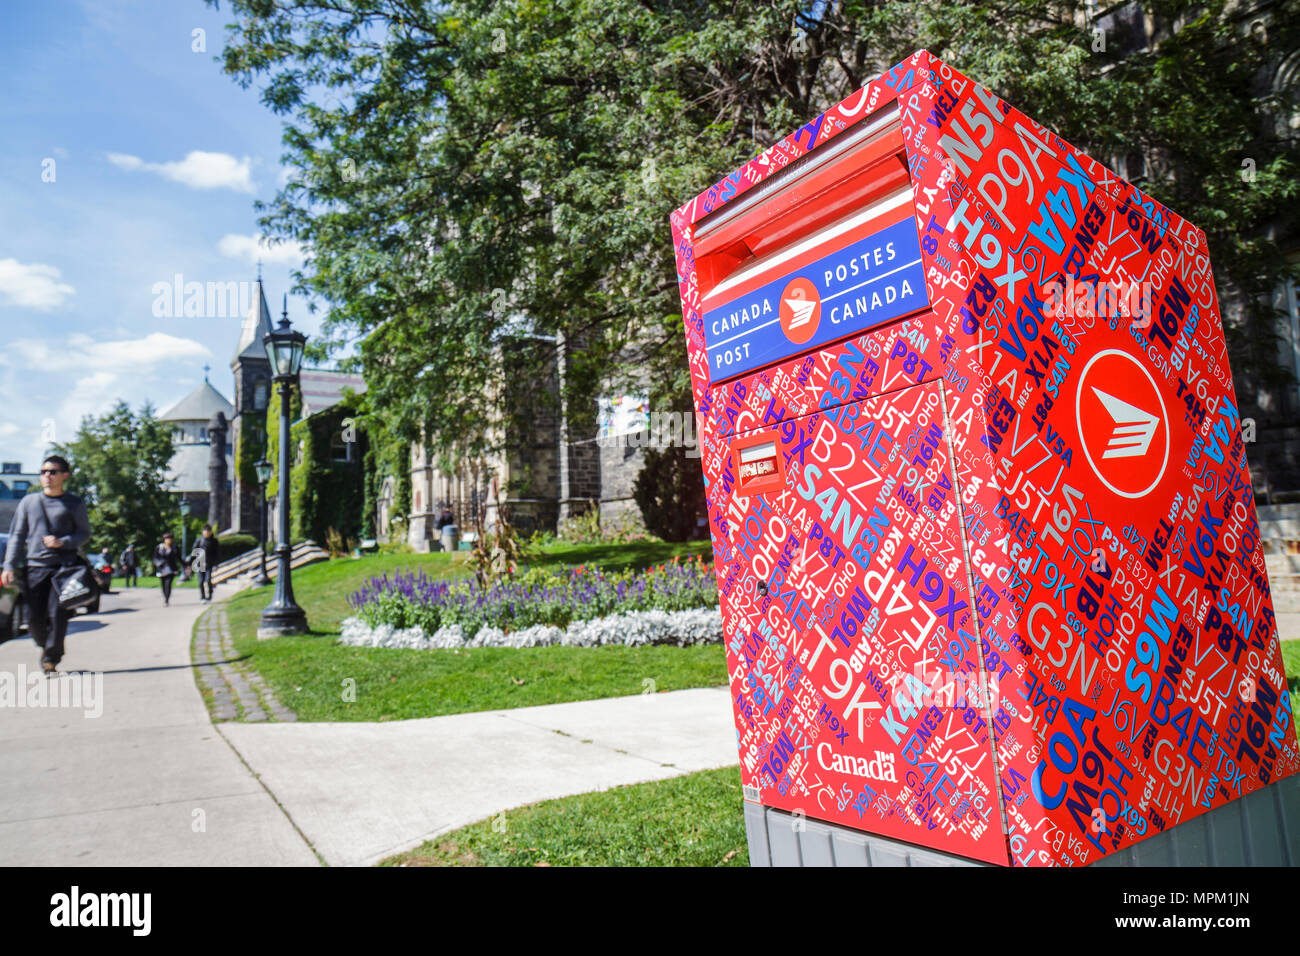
(632, 628)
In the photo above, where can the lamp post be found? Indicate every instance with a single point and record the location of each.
(284, 349)
(263, 469)
(185, 514)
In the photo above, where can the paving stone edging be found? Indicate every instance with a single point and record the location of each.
(235, 690)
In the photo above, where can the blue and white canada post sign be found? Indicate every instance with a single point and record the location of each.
(866, 283)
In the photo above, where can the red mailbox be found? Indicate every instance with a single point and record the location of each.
(985, 538)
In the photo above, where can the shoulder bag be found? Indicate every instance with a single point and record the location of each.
(74, 582)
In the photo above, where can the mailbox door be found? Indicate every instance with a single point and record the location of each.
(861, 692)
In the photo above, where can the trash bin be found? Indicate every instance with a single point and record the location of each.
(450, 537)
(987, 552)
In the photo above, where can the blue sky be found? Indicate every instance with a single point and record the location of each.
(156, 158)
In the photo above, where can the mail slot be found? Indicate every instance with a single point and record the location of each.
(967, 418)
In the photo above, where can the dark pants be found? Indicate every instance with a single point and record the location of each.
(205, 585)
(129, 576)
(47, 622)
(166, 582)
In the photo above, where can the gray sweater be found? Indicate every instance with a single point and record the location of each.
(66, 519)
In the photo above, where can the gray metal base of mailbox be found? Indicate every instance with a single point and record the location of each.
(1262, 829)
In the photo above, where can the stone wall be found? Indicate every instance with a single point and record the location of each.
(620, 463)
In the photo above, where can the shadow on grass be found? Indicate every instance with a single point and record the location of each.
(619, 557)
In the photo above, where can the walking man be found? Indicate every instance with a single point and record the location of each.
(46, 532)
(205, 561)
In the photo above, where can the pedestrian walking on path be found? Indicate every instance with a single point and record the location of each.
(46, 531)
(130, 565)
(204, 561)
(167, 563)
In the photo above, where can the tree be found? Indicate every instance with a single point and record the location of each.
(119, 465)
(464, 165)
(670, 493)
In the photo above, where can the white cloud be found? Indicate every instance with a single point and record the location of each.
(119, 358)
(291, 252)
(198, 170)
(35, 286)
(123, 161)
(92, 375)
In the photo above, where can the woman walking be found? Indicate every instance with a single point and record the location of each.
(46, 532)
(166, 562)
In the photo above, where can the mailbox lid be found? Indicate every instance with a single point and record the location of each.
(859, 547)
(856, 273)
(820, 249)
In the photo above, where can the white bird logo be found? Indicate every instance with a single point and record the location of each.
(802, 310)
(1134, 427)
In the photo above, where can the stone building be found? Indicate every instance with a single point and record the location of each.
(195, 444)
(559, 463)
(14, 485)
(214, 484)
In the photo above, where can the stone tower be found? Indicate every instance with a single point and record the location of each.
(252, 373)
(218, 496)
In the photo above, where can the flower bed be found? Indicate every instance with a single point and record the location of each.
(633, 628)
(539, 598)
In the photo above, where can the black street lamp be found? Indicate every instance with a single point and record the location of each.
(284, 349)
(263, 468)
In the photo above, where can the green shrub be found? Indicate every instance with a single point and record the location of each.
(670, 492)
(233, 545)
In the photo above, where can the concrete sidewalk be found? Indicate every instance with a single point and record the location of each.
(148, 781)
(364, 791)
(151, 781)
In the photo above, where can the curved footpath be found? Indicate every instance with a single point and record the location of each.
(151, 781)
(128, 770)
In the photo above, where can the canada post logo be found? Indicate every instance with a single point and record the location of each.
(1123, 423)
(801, 310)
(866, 282)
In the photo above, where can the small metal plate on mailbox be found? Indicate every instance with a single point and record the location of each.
(757, 460)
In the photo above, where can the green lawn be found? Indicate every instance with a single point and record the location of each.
(313, 676)
(1291, 662)
(692, 820)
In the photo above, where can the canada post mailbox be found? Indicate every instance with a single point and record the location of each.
(984, 532)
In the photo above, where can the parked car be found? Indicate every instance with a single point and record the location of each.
(103, 577)
(12, 619)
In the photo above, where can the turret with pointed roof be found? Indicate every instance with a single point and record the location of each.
(252, 392)
(256, 324)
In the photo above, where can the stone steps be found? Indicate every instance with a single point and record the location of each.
(248, 564)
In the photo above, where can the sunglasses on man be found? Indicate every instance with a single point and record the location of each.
(51, 471)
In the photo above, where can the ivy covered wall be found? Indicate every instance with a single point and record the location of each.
(327, 494)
